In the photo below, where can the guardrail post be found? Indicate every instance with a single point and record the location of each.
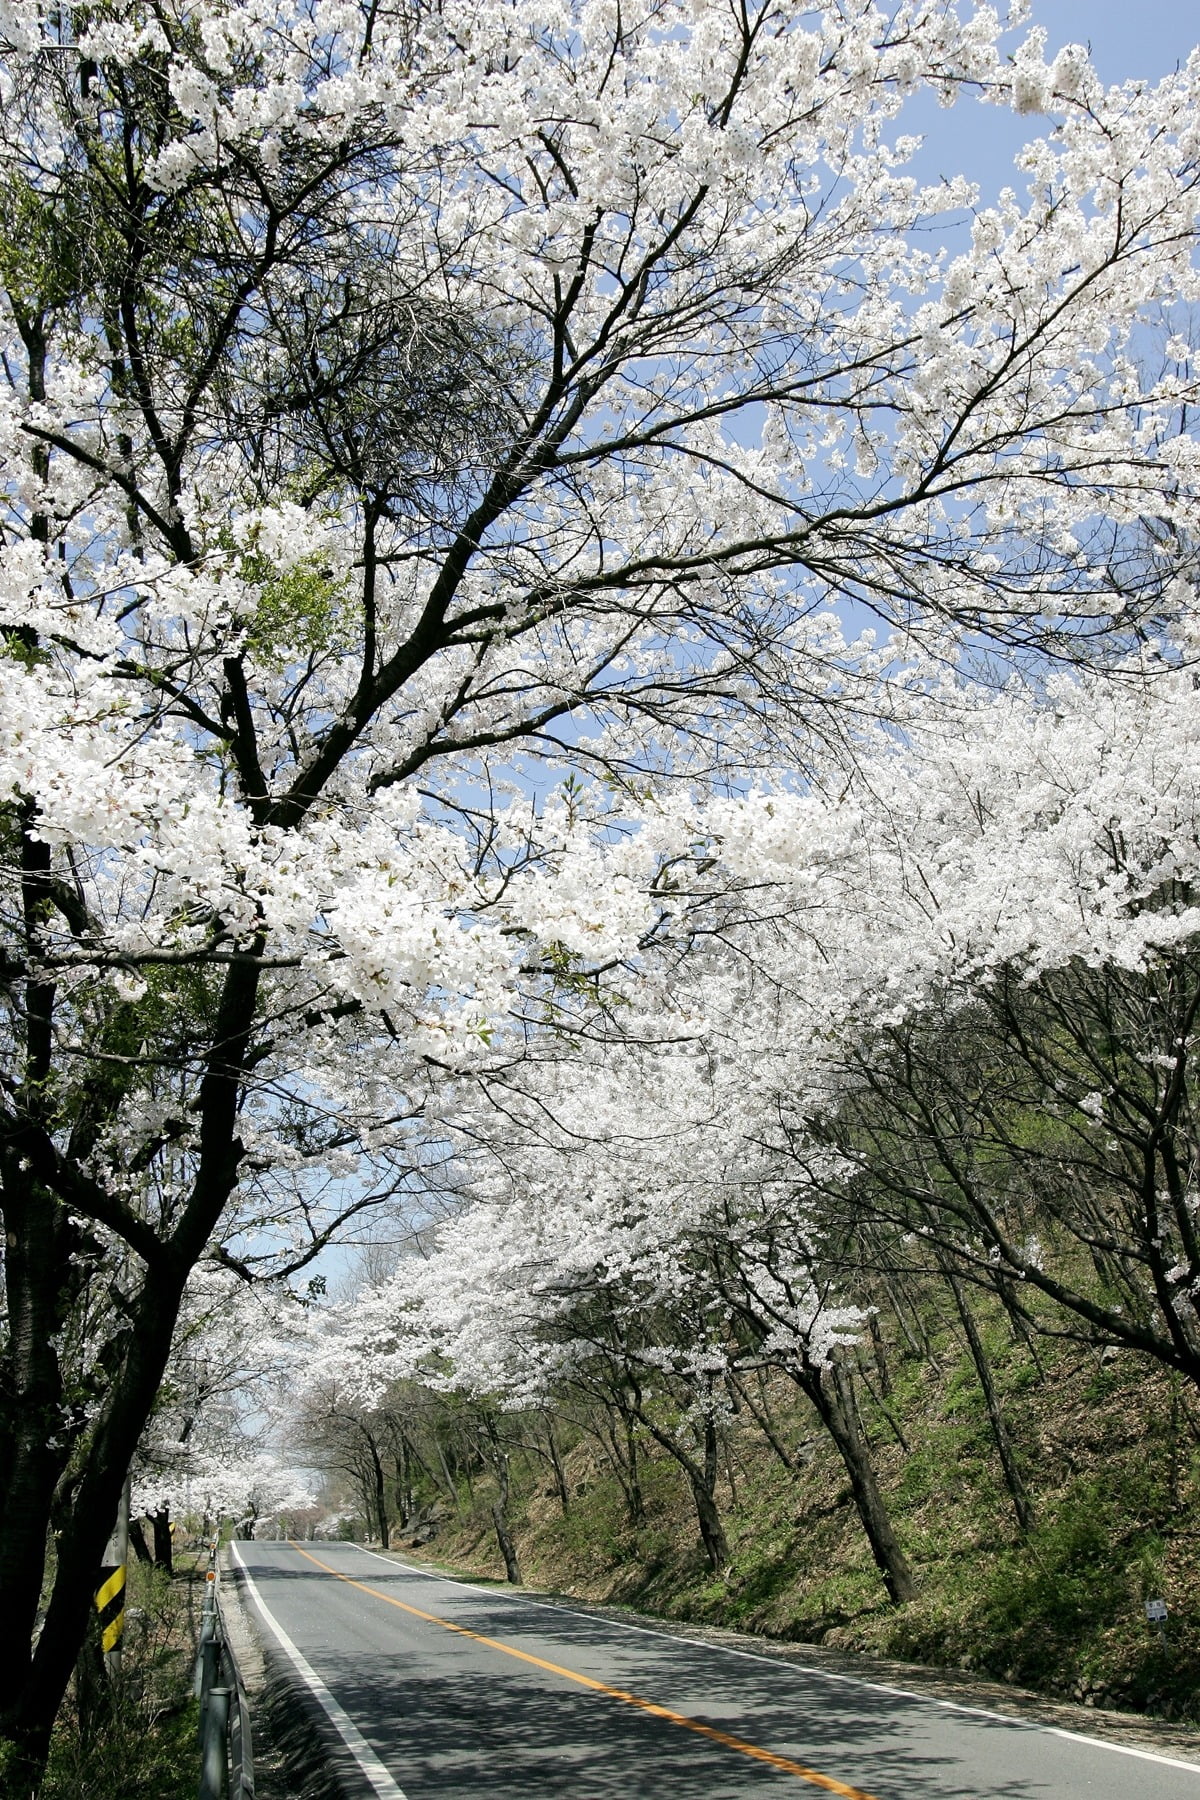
(214, 1764)
(206, 1675)
(208, 1647)
(226, 1750)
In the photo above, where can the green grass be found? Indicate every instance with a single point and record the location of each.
(1112, 1464)
(141, 1743)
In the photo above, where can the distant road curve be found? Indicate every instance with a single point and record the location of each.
(439, 1690)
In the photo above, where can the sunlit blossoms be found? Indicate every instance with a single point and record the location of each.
(475, 480)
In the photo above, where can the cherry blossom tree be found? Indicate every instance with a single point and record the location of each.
(950, 1006)
(199, 1450)
(985, 1022)
(397, 401)
(234, 1483)
(1033, 1117)
(626, 1247)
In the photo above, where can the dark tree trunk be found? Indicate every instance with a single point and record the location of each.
(560, 1474)
(499, 1461)
(160, 1524)
(1013, 1479)
(712, 1530)
(704, 1494)
(378, 1492)
(878, 1351)
(830, 1392)
(634, 1495)
(35, 1496)
(404, 1491)
(32, 1453)
(36, 1429)
(85, 1517)
(626, 1463)
(504, 1537)
(702, 1479)
(137, 1538)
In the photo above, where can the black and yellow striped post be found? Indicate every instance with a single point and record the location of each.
(110, 1595)
(110, 1604)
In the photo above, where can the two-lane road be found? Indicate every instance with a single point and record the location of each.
(444, 1691)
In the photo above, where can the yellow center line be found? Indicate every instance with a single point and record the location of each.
(813, 1776)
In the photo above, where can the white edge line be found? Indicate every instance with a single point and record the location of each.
(348, 1731)
(778, 1662)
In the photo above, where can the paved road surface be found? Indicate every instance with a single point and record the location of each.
(444, 1691)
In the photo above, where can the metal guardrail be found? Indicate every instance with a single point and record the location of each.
(226, 1748)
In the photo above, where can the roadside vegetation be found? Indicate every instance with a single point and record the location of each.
(135, 1738)
(1111, 1457)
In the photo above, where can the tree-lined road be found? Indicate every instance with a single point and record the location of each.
(438, 1688)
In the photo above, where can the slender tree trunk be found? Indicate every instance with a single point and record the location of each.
(637, 1500)
(137, 1538)
(762, 1418)
(606, 1435)
(451, 1484)
(466, 1469)
(914, 1331)
(626, 1464)
(702, 1479)
(378, 1491)
(830, 1392)
(885, 1409)
(712, 1529)
(1019, 1323)
(404, 1491)
(414, 1459)
(560, 1475)
(504, 1538)
(1013, 1479)
(880, 1354)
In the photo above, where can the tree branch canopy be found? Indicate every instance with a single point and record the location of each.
(442, 450)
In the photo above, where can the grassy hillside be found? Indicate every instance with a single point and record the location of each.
(1110, 1449)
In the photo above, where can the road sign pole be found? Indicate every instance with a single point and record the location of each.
(110, 1595)
(1156, 1614)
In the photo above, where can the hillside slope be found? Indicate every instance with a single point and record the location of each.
(1109, 1449)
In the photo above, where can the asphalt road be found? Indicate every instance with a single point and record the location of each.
(444, 1691)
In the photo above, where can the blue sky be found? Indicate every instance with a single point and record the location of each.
(1134, 40)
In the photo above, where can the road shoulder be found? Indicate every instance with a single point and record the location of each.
(294, 1755)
